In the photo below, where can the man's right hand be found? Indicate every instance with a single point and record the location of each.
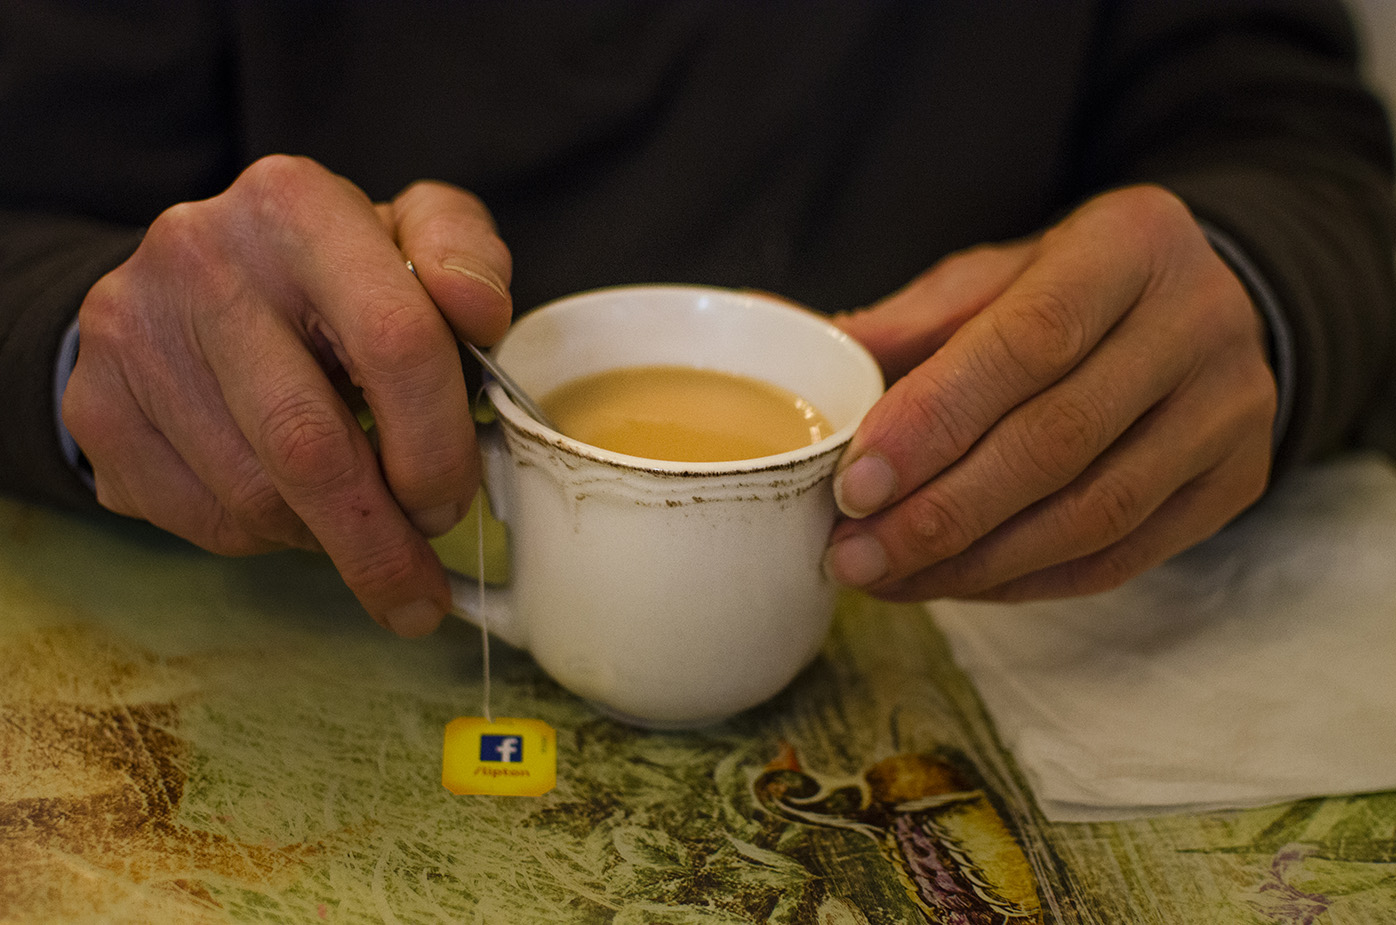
(205, 393)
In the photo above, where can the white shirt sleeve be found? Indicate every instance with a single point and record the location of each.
(63, 368)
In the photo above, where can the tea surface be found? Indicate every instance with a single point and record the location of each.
(684, 414)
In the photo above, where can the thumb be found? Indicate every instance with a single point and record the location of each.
(909, 325)
(458, 256)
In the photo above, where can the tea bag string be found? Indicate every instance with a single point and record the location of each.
(484, 616)
(480, 586)
(527, 404)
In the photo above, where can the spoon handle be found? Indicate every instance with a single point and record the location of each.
(511, 388)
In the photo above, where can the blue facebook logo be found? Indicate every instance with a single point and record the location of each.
(508, 749)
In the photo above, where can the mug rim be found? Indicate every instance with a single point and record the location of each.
(517, 419)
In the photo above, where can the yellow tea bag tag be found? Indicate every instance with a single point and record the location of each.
(506, 757)
(484, 755)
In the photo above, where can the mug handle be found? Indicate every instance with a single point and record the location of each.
(491, 606)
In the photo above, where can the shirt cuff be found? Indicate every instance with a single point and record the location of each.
(63, 368)
(1281, 336)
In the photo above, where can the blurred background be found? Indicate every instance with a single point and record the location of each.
(1378, 20)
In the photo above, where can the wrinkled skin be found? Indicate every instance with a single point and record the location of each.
(209, 393)
(1067, 411)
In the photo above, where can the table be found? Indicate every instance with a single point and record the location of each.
(197, 739)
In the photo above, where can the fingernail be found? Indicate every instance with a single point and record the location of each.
(415, 619)
(477, 273)
(865, 486)
(856, 561)
(436, 521)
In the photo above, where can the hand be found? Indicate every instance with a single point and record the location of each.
(205, 389)
(1069, 411)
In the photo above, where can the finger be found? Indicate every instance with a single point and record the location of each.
(242, 499)
(458, 255)
(1187, 517)
(142, 475)
(1042, 326)
(1176, 476)
(172, 414)
(1038, 448)
(401, 353)
(321, 462)
(911, 324)
(351, 293)
(402, 357)
(1187, 339)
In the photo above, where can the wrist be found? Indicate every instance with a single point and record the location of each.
(1279, 336)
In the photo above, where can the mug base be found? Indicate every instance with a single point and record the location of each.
(660, 725)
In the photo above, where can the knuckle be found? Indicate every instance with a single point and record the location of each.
(1153, 210)
(400, 337)
(112, 496)
(931, 415)
(1260, 404)
(280, 176)
(178, 225)
(109, 317)
(1108, 509)
(227, 537)
(307, 443)
(1221, 311)
(1062, 436)
(286, 192)
(1136, 216)
(1108, 569)
(935, 527)
(258, 508)
(1040, 336)
(373, 570)
(183, 232)
(103, 302)
(416, 190)
(1238, 327)
(84, 415)
(189, 235)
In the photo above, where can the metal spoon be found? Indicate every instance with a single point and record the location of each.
(511, 388)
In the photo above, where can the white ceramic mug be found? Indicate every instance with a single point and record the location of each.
(671, 594)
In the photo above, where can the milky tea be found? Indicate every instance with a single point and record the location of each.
(684, 414)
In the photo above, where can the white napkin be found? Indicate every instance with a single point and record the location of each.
(1256, 668)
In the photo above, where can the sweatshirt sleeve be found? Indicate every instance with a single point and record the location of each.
(1255, 114)
(47, 265)
(109, 113)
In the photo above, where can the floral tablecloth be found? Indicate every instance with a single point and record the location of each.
(196, 739)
